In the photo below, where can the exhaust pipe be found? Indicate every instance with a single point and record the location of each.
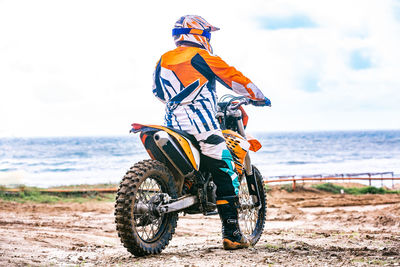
(173, 153)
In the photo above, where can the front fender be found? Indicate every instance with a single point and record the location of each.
(255, 145)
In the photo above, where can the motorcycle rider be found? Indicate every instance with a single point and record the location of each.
(185, 80)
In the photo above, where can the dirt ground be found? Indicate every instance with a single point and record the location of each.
(306, 228)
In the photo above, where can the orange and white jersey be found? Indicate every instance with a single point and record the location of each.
(185, 80)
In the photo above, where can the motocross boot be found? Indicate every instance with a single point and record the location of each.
(231, 234)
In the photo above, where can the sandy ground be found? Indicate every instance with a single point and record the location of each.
(305, 228)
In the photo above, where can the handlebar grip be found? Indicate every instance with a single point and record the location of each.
(261, 103)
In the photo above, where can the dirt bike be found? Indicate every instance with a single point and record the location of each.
(154, 191)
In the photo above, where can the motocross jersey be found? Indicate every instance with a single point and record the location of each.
(185, 80)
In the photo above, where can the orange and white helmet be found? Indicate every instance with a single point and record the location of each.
(191, 29)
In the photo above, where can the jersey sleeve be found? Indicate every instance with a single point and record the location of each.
(157, 88)
(211, 65)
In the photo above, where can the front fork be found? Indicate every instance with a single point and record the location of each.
(247, 161)
(250, 176)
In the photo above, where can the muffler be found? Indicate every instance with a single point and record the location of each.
(170, 149)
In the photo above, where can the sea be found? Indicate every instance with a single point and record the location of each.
(55, 161)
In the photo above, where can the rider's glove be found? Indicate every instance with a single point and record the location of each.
(261, 103)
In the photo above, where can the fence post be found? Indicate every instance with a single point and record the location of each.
(294, 184)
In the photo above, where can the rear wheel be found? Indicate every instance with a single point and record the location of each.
(252, 219)
(141, 228)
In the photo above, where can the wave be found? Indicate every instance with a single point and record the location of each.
(294, 162)
(8, 170)
(52, 161)
(59, 170)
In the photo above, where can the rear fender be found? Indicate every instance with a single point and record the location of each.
(185, 145)
(155, 153)
(166, 146)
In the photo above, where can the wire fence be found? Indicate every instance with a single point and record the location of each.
(366, 176)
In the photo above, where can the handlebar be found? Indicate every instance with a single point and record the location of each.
(242, 101)
(228, 107)
(234, 102)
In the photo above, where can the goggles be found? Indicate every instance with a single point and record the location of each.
(179, 31)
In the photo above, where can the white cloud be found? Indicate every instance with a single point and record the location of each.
(85, 67)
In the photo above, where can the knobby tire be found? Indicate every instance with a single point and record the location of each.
(128, 193)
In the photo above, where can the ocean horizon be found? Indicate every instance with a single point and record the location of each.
(54, 161)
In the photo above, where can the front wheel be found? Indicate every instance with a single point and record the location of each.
(142, 229)
(251, 218)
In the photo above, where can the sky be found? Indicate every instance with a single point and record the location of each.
(80, 68)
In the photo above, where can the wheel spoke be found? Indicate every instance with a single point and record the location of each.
(248, 215)
(143, 189)
(146, 223)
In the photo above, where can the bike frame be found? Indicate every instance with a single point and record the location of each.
(172, 148)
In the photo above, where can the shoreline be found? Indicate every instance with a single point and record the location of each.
(328, 194)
